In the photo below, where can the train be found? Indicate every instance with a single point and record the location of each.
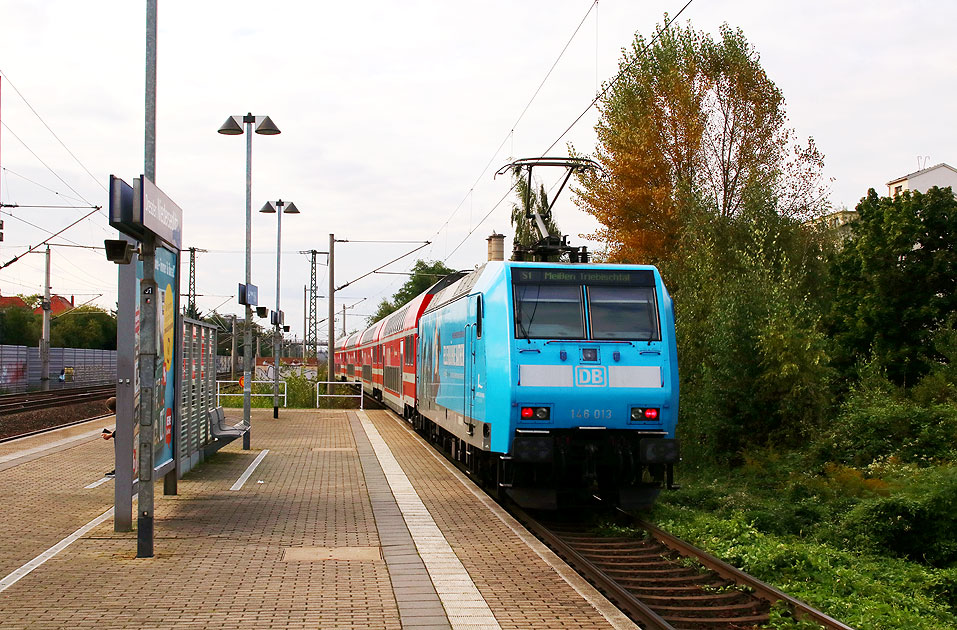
(549, 382)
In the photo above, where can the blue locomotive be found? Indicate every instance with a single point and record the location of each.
(548, 381)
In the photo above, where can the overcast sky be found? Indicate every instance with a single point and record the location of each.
(390, 113)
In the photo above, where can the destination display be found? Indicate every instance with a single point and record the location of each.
(591, 277)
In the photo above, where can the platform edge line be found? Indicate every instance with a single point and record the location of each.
(249, 471)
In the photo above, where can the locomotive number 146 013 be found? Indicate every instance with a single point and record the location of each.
(592, 414)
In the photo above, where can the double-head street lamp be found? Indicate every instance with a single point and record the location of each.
(278, 209)
(234, 127)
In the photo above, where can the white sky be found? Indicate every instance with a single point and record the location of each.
(389, 113)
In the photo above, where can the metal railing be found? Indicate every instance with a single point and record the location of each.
(220, 393)
(359, 395)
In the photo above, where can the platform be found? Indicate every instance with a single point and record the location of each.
(349, 520)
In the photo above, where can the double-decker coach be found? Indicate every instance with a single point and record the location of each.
(383, 357)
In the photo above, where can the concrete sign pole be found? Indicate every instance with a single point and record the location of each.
(148, 297)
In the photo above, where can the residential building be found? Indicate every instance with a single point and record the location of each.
(940, 175)
(14, 301)
(58, 305)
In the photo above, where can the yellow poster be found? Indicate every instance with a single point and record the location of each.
(169, 327)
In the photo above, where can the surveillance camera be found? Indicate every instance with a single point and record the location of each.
(119, 251)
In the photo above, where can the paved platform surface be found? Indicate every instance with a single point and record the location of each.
(349, 520)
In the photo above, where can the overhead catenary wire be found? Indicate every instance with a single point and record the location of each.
(615, 80)
(62, 144)
(46, 188)
(594, 101)
(44, 242)
(511, 132)
(426, 243)
(34, 225)
(40, 160)
(20, 205)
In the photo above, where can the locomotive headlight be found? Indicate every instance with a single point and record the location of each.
(643, 415)
(536, 413)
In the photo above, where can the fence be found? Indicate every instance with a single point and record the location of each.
(197, 392)
(21, 368)
(334, 383)
(220, 393)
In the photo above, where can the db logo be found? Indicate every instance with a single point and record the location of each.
(588, 376)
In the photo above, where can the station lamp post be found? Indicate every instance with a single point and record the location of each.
(232, 127)
(277, 319)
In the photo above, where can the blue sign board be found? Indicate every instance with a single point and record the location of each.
(141, 207)
(249, 294)
(159, 214)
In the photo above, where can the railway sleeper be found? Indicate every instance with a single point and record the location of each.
(740, 609)
(672, 590)
(665, 600)
(627, 580)
(635, 560)
(721, 622)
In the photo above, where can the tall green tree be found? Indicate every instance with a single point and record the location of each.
(691, 119)
(84, 327)
(19, 326)
(424, 275)
(752, 353)
(895, 283)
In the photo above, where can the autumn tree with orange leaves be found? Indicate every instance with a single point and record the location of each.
(692, 120)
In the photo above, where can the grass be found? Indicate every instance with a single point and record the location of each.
(815, 536)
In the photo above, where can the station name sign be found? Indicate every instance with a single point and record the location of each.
(143, 207)
(606, 277)
(248, 294)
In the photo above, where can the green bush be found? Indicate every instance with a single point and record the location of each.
(754, 367)
(919, 523)
(869, 428)
(863, 591)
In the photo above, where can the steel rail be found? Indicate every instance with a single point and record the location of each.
(725, 570)
(632, 605)
(621, 597)
(32, 401)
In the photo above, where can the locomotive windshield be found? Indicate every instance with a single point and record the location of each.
(623, 313)
(548, 311)
(550, 304)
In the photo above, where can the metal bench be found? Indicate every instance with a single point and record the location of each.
(221, 430)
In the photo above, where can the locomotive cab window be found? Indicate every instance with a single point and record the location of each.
(623, 313)
(548, 311)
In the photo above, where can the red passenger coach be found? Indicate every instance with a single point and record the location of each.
(383, 356)
(346, 355)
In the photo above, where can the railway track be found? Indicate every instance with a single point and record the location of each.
(31, 401)
(659, 580)
(664, 583)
